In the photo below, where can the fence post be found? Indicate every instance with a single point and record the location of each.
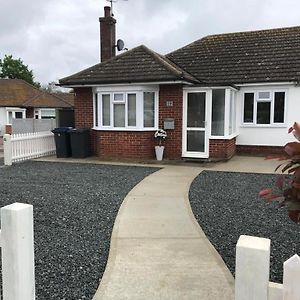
(252, 268)
(7, 150)
(17, 252)
(291, 275)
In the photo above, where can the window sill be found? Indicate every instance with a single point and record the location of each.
(228, 137)
(263, 126)
(124, 129)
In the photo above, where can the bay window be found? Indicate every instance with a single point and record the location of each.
(264, 108)
(223, 113)
(126, 110)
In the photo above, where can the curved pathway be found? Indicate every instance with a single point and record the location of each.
(158, 250)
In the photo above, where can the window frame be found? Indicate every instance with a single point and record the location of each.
(13, 110)
(271, 99)
(38, 113)
(139, 92)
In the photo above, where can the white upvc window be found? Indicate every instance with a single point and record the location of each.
(223, 113)
(126, 109)
(44, 113)
(14, 113)
(264, 107)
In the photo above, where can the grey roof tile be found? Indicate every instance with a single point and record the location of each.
(243, 57)
(137, 65)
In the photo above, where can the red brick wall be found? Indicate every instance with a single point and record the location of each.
(8, 129)
(173, 144)
(259, 150)
(222, 149)
(125, 144)
(132, 144)
(83, 103)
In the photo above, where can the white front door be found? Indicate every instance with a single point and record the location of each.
(195, 120)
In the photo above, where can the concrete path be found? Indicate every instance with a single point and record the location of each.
(158, 250)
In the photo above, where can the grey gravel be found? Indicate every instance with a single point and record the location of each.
(226, 205)
(75, 206)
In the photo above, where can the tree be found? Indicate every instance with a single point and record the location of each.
(16, 69)
(51, 87)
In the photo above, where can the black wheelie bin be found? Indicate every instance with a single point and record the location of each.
(80, 142)
(62, 141)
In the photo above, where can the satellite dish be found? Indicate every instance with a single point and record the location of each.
(120, 45)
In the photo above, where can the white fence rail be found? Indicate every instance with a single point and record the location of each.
(253, 269)
(20, 147)
(17, 251)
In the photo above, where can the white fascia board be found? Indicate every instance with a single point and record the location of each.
(267, 83)
(199, 88)
(125, 88)
(128, 84)
(15, 108)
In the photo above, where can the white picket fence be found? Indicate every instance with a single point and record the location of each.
(17, 252)
(253, 269)
(24, 146)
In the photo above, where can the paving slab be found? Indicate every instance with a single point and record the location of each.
(158, 250)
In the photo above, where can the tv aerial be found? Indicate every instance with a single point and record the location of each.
(111, 5)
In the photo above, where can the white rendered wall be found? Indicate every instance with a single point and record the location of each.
(2, 120)
(269, 136)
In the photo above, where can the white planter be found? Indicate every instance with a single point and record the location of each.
(159, 152)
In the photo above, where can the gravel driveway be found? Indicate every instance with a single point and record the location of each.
(226, 206)
(75, 206)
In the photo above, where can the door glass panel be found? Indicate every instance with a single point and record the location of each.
(195, 141)
(196, 110)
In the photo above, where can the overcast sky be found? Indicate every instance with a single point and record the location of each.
(57, 38)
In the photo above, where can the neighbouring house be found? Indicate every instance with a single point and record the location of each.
(222, 94)
(20, 100)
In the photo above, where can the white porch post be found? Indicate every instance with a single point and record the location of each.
(252, 268)
(17, 252)
(7, 149)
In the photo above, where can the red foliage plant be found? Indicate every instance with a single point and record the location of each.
(288, 189)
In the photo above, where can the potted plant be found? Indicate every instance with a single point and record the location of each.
(287, 191)
(160, 135)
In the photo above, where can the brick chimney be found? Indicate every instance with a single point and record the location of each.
(107, 35)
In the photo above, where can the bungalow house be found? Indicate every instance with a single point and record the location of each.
(20, 100)
(222, 94)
